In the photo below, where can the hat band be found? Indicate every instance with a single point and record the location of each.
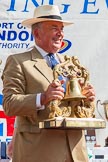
(51, 17)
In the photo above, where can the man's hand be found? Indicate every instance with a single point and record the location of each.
(54, 91)
(89, 92)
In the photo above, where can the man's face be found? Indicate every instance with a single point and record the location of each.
(50, 36)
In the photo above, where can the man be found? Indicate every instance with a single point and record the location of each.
(28, 88)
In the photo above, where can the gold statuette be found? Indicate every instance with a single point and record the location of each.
(73, 111)
(73, 103)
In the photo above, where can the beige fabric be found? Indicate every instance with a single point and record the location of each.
(25, 75)
(45, 13)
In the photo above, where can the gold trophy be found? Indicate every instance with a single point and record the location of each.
(73, 110)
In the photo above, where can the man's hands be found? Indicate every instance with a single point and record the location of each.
(56, 91)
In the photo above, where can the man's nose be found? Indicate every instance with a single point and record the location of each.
(60, 32)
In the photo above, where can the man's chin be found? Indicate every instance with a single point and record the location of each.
(56, 48)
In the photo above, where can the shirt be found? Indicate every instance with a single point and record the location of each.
(44, 55)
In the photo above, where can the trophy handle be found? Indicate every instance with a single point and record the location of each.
(105, 105)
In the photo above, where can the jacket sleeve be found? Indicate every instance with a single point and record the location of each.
(15, 100)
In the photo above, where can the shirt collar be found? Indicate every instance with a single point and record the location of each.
(42, 52)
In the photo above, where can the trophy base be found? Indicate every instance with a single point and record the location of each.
(70, 123)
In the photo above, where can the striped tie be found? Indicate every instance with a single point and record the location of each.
(52, 59)
(53, 63)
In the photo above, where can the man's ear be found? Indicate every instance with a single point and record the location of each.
(35, 33)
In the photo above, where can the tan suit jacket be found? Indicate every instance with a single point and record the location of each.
(24, 76)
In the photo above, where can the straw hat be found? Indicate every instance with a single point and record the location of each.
(45, 13)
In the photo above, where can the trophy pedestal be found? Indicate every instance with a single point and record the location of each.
(73, 123)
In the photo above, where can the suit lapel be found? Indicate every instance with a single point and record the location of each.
(41, 65)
